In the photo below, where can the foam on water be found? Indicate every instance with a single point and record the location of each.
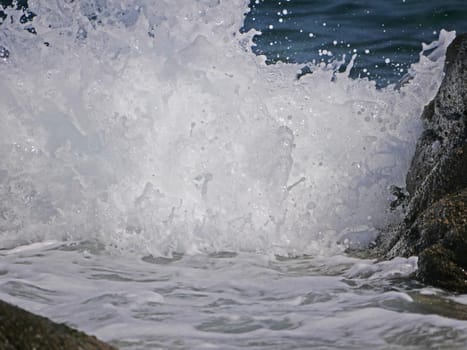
(155, 129)
(233, 300)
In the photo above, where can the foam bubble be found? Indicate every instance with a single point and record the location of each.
(156, 129)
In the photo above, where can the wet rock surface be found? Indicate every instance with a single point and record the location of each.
(435, 219)
(22, 330)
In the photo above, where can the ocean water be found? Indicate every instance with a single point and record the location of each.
(170, 178)
(386, 35)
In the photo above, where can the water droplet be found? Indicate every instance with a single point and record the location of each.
(4, 53)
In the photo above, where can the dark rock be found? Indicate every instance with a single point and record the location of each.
(437, 267)
(22, 330)
(440, 161)
(434, 225)
(439, 237)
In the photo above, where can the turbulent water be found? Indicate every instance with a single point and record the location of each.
(162, 186)
(386, 35)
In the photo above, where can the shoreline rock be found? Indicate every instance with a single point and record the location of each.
(22, 330)
(435, 218)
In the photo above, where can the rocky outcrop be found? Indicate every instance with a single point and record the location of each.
(21, 330)
(435, 222)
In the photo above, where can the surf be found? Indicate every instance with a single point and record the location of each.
(157, 129)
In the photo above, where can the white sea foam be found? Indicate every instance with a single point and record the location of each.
(234, 301)
(153, 128)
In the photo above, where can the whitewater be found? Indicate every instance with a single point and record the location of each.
(163, 187)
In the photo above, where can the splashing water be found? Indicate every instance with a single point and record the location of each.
(150, 131)
(155, 129)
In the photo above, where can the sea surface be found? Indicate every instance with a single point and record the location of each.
(190, 174)
(386, 35)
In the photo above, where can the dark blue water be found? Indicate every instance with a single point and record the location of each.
(386, 35)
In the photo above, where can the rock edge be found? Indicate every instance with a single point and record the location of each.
(22, 330)
(435, 215)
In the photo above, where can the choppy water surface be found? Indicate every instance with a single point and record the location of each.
(161, 186)
(386, 35)
(234, 301)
